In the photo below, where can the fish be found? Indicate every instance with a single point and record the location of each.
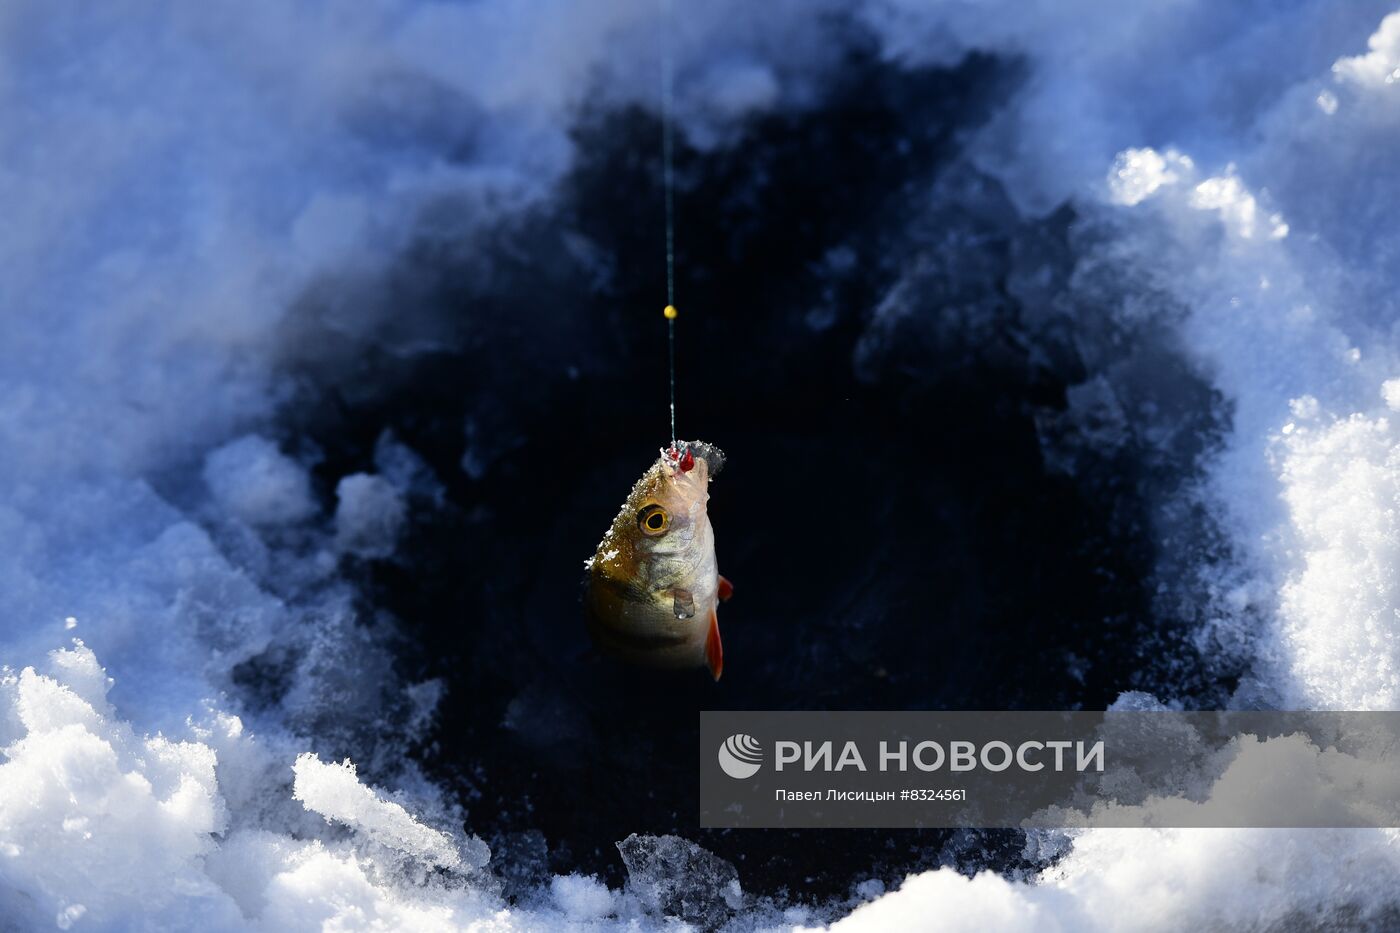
(653, 583)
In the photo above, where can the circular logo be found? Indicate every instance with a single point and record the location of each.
(741, 756)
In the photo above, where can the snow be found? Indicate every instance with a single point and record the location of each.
(168, 203)
(1138, 173)
(1297, 333)
(369, 515)
(335, 792)
(288, 885)
(1170, 879)
(97, 821)
(1120, 880)
(582, 897)
(253, 481)
(1341, 482)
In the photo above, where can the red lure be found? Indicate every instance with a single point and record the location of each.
(684, 461)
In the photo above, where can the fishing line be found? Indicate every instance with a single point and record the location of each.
(668, 185)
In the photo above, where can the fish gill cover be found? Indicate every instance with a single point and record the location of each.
(1054, 345)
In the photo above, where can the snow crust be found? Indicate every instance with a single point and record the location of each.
(168, 202)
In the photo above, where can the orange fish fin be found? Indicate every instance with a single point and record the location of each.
(714, 651)
(726, 589)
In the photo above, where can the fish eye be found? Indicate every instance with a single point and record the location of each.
(653, 520)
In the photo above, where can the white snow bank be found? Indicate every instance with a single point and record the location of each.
(96, 822)
(295, 886)
(1339, 634)
(1130, 880)
(1257, 193)
(1284, 314)
(103, 828)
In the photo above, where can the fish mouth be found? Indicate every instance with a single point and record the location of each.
(712, 455)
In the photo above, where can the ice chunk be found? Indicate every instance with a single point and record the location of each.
(674, 877)
(335, 792)
(369, 516)
(255, 482)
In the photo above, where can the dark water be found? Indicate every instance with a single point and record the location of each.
(896, 539)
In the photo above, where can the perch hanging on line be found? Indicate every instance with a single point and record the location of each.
(653, 583)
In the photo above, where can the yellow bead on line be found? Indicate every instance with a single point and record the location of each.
(670, 312)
